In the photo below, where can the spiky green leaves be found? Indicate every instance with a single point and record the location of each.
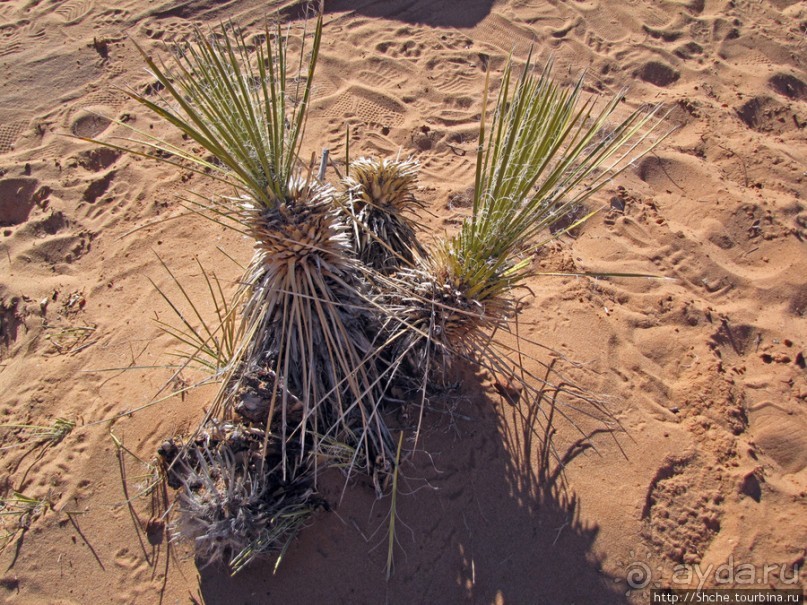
(238, 105)
(548, 152)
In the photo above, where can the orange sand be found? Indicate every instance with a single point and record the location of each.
(704, 371)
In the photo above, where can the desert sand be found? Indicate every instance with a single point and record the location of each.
(704, 370)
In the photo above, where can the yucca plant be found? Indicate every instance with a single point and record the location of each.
(303, 316)
(300, 363)
(548, 152)
(311, 325)
(340, 299)
(247, 111)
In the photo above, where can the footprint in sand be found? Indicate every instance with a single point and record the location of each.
(98, 187)
(369, 106)
(112, 16)
(701, 31)
(324, 87)
(667, 171)
(798, 303)
(74, 11)
(133, 563)
(767, 115)
(461, 169)
(381, 72)
(51, 224)
(657, 73)
(682, 512)
(11, 321)
(9, 133)
(98, 159)
(688, 50)
(789, 86)
(17, 199)
(57, 250)
(167, 32)
(732, 342)
(779, 431)
(10, 42)
(505, 35)
(16, 35)
(457, 73)
(666, 34)
(90, 122)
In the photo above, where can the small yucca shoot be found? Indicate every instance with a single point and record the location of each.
(208, 345)
(378, 193)
(549, 152)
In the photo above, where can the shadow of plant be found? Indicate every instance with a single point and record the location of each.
(484, 515)
(436, 14)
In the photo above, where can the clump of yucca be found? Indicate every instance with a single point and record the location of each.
(378, 195)
(340, 299)
(304, 315)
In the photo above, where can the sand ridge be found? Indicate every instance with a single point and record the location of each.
(705, 371)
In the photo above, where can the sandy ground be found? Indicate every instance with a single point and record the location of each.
(705, 371)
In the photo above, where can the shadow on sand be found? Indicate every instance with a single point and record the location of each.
(440, 13)
(436, 13)
(485, 518)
